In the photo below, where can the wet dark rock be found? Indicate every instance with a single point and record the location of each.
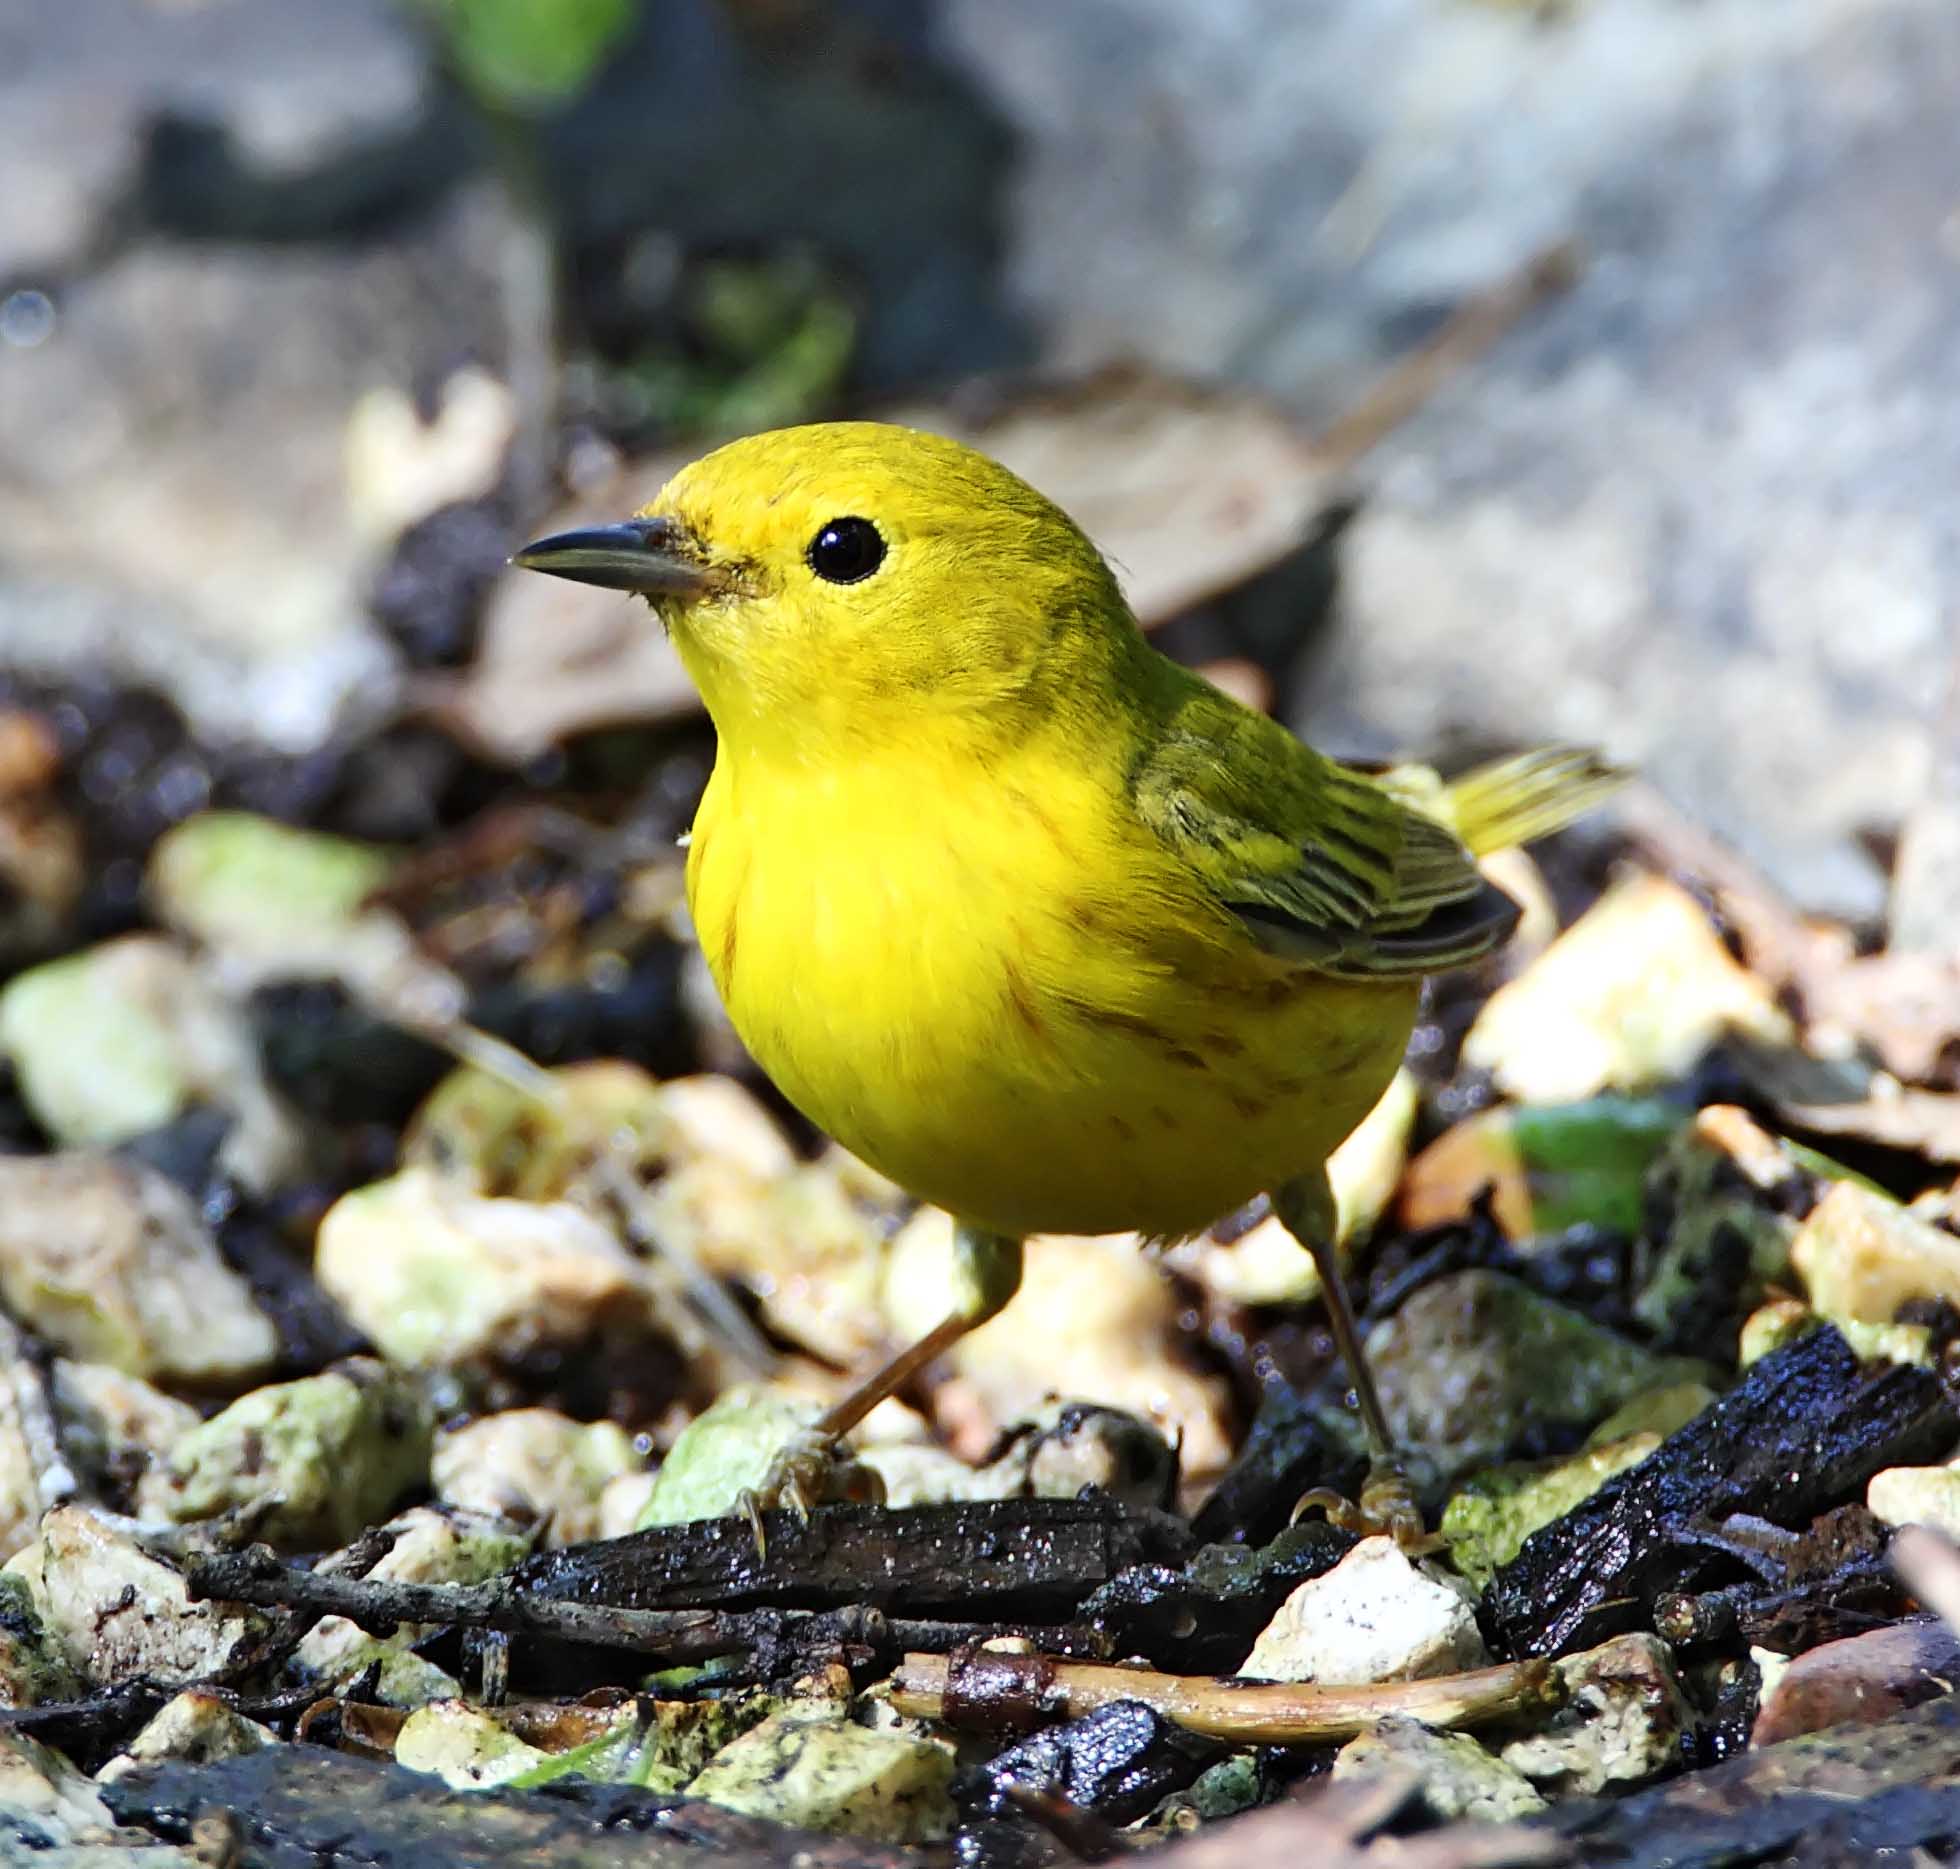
(184, 1150)
(636, 1017)
(1858, 1794)
(1802, 1432)
(1295, 1444)
(429, 596)
(313, 1330)
(1477, 1367)
(337, 1061)
(1117, 1762)
(303, 1807)
(1204, 1616)
(1724, 1731)
(1012, 1559)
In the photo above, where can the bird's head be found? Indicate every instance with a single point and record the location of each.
(859, 577)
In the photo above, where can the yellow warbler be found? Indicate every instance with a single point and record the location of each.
(1031, 918)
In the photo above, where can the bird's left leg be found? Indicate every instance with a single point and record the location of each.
(986, 1274)
(1306, 1209)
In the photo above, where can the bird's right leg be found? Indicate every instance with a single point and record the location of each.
(1306, 1209)
(986, 1275)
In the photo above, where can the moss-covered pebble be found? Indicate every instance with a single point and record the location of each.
(435, 1274)
(314, 1461)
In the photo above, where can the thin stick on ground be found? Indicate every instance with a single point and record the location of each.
(1272, 1713)
(259, 1577)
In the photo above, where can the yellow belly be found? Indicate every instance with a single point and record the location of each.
(1014, 1006)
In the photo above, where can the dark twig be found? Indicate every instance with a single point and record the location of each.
(258, 1576)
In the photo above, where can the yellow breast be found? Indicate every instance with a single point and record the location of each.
(993, 986)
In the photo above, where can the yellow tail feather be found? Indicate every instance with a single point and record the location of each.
(1513, 801)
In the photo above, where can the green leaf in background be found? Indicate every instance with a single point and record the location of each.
(526, 55)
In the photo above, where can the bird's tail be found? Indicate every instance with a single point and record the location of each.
(1512, 801)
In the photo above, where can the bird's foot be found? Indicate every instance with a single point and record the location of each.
(810, 1469)
(1386, 1508)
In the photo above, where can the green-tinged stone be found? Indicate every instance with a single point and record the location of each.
(403, 1678)
(1863, 1257)
(33, 1666)
(725, 1452)
(1717, 1216)
(323, 1458)
(1889, 1343)
(1232, 1785)
(92, 1067)
(110, 1262)
(1241, 1782)
(439, 1276)
(1658, 1411)
(497, 1138)
(1477, 1364)
(1772, 1327)
(811, 1768)
(1458, 1777)
(1485, 1525)
(228, 876)
(467, 1748)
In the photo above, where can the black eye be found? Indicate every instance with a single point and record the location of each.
(846, 550)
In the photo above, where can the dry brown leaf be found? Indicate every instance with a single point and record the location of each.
(1902, 1006)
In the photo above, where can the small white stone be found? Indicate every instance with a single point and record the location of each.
(1374, 1617)
(465, 1747)
(196, 1726)
(1916, 1496)
(1862, 1256)
(622, 1502)
(110, 1262)
(1621, 1726)
(119, 1612)
(808, 1767)
(535, 1466)
(1630, 995)
(717, 1117)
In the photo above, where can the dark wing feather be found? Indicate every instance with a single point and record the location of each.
(1320, 863)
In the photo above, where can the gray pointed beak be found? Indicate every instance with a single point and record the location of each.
(651, 556)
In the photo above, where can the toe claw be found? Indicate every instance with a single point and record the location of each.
(1387, 1507)
(748, 1502)
(809, 1470)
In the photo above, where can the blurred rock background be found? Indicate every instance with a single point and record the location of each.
(269, 278)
